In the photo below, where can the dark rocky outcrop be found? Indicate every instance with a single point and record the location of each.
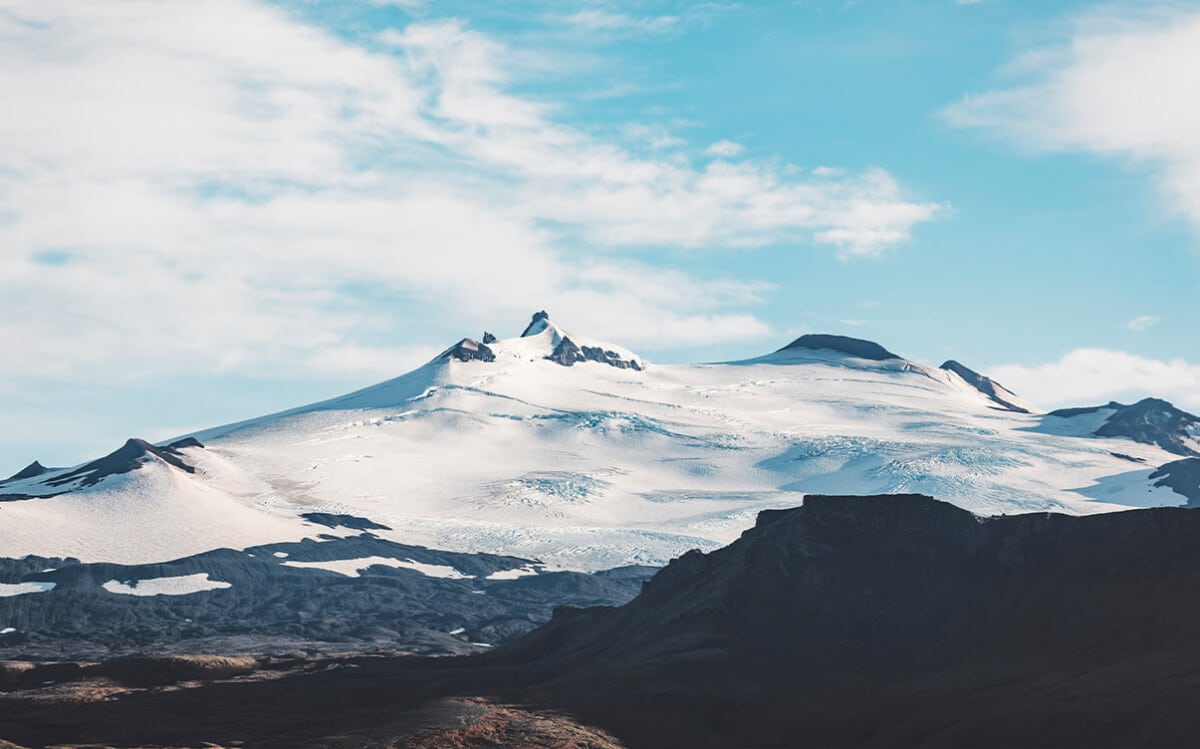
(1000, 395)
(33, 470)
(856, 347)
(185, 442)
(352, 522)
(1150, 421)
(488, 338)
(129, 457)
(533, 328)
(894, 621)
(568, 353)
(271, 605)
(1182, 477)
(469, 349)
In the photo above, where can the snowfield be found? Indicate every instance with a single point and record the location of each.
(165, 586)
(591, 465)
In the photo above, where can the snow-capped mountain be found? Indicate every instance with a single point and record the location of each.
(533, 471)
(1150, 421)
(578, 453)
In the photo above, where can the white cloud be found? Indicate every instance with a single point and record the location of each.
(598, 19)
(1141, 322)
(1093, 376)
(724, 149)
(1121, 85)
(229, 189)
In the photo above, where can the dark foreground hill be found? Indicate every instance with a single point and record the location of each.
(871, 621)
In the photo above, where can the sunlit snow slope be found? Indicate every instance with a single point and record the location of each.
(556, 447)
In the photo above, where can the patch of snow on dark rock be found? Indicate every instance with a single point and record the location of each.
(1181, 477)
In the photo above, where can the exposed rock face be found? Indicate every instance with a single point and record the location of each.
(1002, 396)
(568, 353)
(1150, 421)
(855, 347)
(537, 324)
(271, 598)
(924, 623)
(129, 457)
(469, 349)
(488, 338)
(32, 470)
(1182, 477)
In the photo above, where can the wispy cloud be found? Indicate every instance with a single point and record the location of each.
(724, 149)
(1141, 322)
(1090, 376)
(1119, 85)
(623, 19)
(235, 190)
(596, 19)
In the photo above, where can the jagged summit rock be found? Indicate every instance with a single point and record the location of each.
(488, 338)
(540, 321)
(567, 353)
(856, 347)
(1002, 396)
(469, 349)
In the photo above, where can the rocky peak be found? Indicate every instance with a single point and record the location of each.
(32, 470)
(855, 347)
(1002, 396)
(540, 321)
(1150, 421)
(468, 349)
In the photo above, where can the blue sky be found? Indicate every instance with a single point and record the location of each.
(214, 210)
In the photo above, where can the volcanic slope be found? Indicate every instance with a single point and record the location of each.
(577, 453)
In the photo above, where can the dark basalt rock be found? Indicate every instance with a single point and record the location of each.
(32, 470)
(352, 522)
(1150, 421)
(1182, 477)
(185, 442)
(537, 318)
(568, 353)
(129, 457)
(273, 606)
(855, 347)
(468, 349)
(893, 621)
(986, 385)
(488, 338)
